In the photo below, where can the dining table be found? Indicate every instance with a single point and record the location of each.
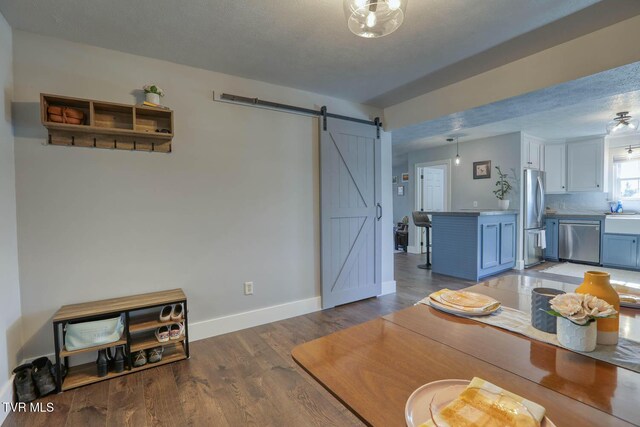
(374, 367)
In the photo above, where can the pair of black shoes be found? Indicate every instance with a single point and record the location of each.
(107, 361)
(34, 379)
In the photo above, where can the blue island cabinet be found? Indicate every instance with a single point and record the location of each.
(473, 245)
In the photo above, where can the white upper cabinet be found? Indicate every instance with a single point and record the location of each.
(586, 165)
(555, 165)
(533, 150)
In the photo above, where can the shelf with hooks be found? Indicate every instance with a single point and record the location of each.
(96, 124)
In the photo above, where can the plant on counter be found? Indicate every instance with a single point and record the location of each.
(503, 184)
(580, 309)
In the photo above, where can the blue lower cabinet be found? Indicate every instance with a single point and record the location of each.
(620, 250)
(490, 254)
(507, 245)
(551, 252)
(497, 248)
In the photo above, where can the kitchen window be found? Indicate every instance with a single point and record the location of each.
(626, 177)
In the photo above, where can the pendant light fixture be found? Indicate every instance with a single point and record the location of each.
(629, 152)
(374, 18)
(622, 124)
(457, 150)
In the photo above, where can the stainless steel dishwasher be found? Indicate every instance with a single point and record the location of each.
(580, 241)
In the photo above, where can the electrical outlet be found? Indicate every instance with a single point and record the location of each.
(248, 288)
(475, 204)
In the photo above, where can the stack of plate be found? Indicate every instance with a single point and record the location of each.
(463, 303)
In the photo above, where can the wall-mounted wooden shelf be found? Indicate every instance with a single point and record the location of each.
(110, 125)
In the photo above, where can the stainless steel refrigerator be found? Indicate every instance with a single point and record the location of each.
(533, 217)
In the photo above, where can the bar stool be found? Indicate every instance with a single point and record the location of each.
(421, 219)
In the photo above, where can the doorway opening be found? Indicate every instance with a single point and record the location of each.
(433, 194)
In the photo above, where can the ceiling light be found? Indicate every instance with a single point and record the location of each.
(457, 150)
(629, 152)
(622, 124)
(374, 18)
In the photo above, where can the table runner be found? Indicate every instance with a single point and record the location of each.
(626, 354)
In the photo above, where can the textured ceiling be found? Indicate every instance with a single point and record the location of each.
(299, 43)
(570, 110)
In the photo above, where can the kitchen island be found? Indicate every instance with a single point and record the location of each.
(473, 244)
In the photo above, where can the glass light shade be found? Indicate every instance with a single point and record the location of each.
(623, 124)
(457, 159)
(374, 18)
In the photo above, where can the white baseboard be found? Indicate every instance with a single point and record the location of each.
(249, 319)
(6, 395)
(388, 287)
(414, 249)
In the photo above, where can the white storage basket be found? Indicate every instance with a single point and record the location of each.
(89, 334)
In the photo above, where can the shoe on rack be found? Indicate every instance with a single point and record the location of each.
(42, 376)
(23, 381)
(63, 370)
(162, 334)
(154, 355)
(118, 360)
(165, 313)
(140, 358)
(177, 313)
(175, 331)
(103, 363)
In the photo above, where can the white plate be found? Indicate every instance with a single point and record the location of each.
(451, 310)
(629, 305)
(416, 411)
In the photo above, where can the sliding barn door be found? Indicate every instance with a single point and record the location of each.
(350, 212)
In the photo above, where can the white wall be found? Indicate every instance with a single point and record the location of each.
(401, 205)
(386, 156)
(10, 346)
(237, 200)
(502, 150)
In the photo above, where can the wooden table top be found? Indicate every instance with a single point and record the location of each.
(113, 305)
(374, 367)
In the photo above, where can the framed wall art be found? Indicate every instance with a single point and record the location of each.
(482, 170)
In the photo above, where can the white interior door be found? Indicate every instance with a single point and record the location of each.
(433, 189)
(351, 213)
(434, 195)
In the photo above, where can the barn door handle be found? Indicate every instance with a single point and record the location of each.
(379, 210)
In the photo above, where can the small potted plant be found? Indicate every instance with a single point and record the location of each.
(504, 187)
(577, 315)
(153, 93)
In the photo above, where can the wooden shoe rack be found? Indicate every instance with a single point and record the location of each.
(142, 318)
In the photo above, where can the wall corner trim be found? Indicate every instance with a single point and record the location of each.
(6, 395)
(388, 287)
(248, 319)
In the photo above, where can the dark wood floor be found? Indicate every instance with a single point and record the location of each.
(241, 378)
